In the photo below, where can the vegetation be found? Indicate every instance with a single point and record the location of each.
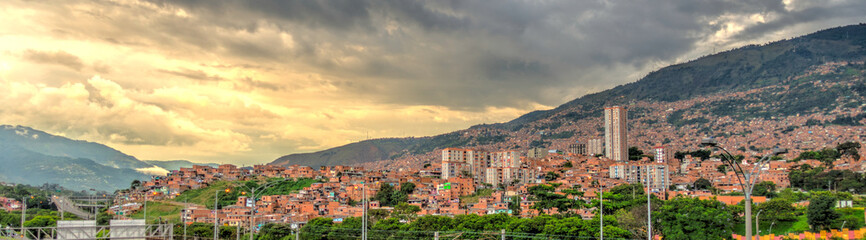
(388, 196)
(820, 212)
(703, 154)
(164, 211)
(559, 135)
(473, 198)
(635, 154)
(547, 199)
(815, 178)
(692, 218)
(470, 226)
(205, 196)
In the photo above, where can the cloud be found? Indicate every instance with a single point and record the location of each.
(250, 80)
(58, 57)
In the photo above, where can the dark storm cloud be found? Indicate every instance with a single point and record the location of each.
(476, 54)
(819, 13)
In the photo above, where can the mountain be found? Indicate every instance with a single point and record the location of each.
(359, 152)
(51, 145)
(177, 164)
(744, 68)
(813, 82)
(20, 165)
(34, 157)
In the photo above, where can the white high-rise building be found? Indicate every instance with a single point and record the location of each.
(660, 154)
(616, 133)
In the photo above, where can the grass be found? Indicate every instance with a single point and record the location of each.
(155, 210)
(802, 224)
(205, 196)
(473, 198)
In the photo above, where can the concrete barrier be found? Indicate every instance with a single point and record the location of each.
(76, 229)
(128, 229)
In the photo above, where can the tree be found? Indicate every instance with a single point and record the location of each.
(633, 219)
(634, 153)
(780, 209)
(820, 213)
(692, 218)
(407, 188)
(514, 205)
(703, 184)
(465, 173)
(567, 164)
(317, 229)
(849, 149)
(550, 176)
(385, 194)
(349, 229)
(722, 168)
(547, 199)
(377, 214)
(135, 184)
(405, 211)
(765, 188)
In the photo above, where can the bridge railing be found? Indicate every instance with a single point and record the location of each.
(154, 231)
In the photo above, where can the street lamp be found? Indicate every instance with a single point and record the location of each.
(253, 198)
(745, 178)
(758, 222)
(215, 215)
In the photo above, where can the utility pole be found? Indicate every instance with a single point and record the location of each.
(216, 220)
(601, 208)
(364, 209)
(649, 213)
(23, 215)
(183, 218)
(145, 208)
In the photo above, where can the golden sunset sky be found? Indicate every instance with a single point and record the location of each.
(247, 81)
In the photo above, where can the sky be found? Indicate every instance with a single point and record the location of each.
(247, 81)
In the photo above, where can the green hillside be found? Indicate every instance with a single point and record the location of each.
(26, 167)
(40, 142)
(744, 68)
(160, 210)
(205, 196)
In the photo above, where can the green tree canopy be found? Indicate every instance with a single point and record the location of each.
(820, 213)
(778, 209)
(692, 218)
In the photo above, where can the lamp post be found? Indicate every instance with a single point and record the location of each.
(364, 212)
(746, 179)
(253, 199)
(145, 208)
(216, 220)
(649, 224)
(758, 223)
(771, 227)
(601, 211)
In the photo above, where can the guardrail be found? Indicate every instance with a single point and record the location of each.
(155, 231)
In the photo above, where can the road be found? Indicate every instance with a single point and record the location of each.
(66, 205)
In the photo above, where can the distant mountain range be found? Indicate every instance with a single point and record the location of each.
(34, 157)
(770, 81)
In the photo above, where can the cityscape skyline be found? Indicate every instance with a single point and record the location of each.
(228, 82)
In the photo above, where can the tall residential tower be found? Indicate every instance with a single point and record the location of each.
(616, 133)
